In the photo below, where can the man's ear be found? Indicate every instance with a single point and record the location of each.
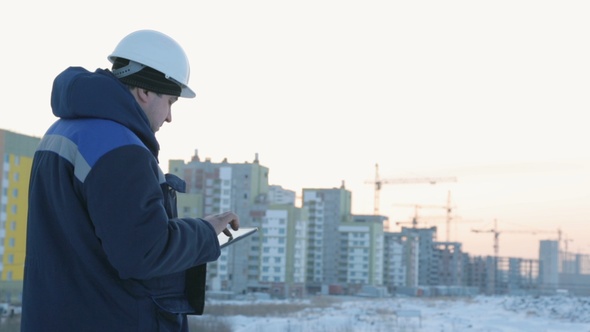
(141, 95)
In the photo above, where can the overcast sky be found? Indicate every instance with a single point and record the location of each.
(494, 93)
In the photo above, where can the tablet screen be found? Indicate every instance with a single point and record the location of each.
(241, 233)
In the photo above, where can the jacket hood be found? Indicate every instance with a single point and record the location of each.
(78, 93)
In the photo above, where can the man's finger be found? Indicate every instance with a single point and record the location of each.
(235, 224)
(227, 232)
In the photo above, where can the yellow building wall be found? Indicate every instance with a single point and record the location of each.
(19, 171)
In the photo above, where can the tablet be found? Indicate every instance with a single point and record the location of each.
(241, 233)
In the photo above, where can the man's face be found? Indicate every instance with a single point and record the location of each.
(158, 108)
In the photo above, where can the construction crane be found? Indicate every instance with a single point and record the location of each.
(448, 208)
(416, 219)
(496, 233)
(378, 182)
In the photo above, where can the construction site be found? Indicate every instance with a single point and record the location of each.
(442, 268)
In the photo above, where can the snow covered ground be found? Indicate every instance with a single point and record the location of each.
(490, 314)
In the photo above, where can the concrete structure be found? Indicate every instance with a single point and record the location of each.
(575, 274)
(549, 264)
(427, 260)
(448, 257)
(400, 261)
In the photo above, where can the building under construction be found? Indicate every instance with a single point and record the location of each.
(443, 269)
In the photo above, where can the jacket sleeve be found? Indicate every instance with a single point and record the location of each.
(126, 205)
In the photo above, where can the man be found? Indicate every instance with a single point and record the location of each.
(104, 249)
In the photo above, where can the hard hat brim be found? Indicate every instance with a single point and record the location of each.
(187, 92)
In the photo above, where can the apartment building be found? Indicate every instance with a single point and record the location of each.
(361, 251)
(17, 152)
(238, 187)
(327, 209)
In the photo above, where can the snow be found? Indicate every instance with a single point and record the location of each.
(489, 314)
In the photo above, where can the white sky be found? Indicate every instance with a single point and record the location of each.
(494, 93)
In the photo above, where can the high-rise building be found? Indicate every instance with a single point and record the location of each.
(427, 261)
(243, 189)
(327, 208)
(361, 250)
(549, 264)
(283, 254)
(449, 258)
(17, 154)
(400, 261)
(279, 195)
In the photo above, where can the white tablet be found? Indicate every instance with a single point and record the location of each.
(241, 233)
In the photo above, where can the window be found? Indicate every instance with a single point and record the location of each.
(15, 193)
(16, 176)
(13, 225)
(11, 243)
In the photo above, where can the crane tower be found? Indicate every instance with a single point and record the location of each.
(378, 182)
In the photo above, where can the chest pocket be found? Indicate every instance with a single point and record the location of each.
(173, 185)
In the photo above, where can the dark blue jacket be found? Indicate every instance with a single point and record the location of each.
(103, 253)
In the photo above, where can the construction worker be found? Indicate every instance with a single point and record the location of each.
(105, 251)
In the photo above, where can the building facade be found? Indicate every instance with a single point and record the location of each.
(17, 158)
(241, 188)
(549, 264)
(327, 209)
(361, 251)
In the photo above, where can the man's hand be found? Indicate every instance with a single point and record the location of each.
(220, 221)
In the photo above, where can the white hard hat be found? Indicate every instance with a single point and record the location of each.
(158, 51)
